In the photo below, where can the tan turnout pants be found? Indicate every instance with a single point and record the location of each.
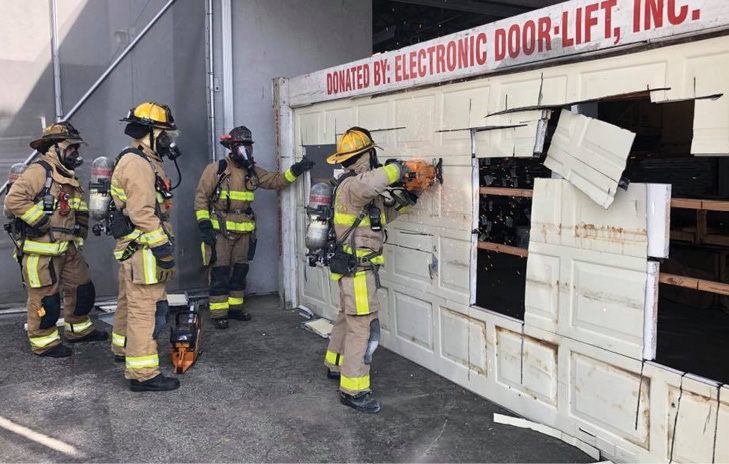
(228, 274)
(134, 320)
(356, 332)
(44, 276)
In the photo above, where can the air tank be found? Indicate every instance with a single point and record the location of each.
(319, 213)
(100, 187)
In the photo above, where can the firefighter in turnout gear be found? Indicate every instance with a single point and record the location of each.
(50, 225)
(360, 214)
(227, 223)
(144, 243)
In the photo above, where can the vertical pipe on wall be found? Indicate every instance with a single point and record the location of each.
(226, 19)
(56, 60)
(210, 51)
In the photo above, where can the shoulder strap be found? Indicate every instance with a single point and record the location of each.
(49, 176)
(222, 166)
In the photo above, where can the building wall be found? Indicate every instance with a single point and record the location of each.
(281, 38)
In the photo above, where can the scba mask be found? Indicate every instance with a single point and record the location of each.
(69, 155)
(243, 155)
(167, 146)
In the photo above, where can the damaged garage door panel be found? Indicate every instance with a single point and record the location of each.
(590, 154)
(588, 274)
(518, 135)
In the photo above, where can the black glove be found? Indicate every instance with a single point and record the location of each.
(207, 232)
(302, 166)
(165, 255)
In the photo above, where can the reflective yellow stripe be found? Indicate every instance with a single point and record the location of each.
(360, 293)
(237, 195)
(118, 254)
(118, 340)
(43, 248)
(341, 219)
(361, 253)
(335, 276)
(78, 204)
(41, 342)
(202, 214)
(33, 214)
(393, 173)
(150, 266)
(289, 175)
(140, 362)
(218, 306)
(204, 255)
(335, 359)
(119, 193)
(80, 327)
(79, 242)
(232, 301)
(154, 238)
(355, 383)
(33, 277)
(232, 226)
(160, 198)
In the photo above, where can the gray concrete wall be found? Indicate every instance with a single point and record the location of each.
(285, 38)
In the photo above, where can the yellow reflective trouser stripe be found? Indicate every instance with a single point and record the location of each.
(202, 214)
(202, 249)
(342, 219)
(140, 362)
(355, 383)
(43, 248)
(361, 253)
(335, 276)
(150, 266)
(154, 238)
(33, 277)
(33, 214)
(335, 359)
(40, 342)
(119, 193)
(235, 301)
(239, 195)
(235, 226)
(360, 293)
(393, 173)
(289, 175)
(218, 306)
(80, 327)
(118, 340)
(78, 204)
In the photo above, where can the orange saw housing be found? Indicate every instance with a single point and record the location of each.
(423, 175)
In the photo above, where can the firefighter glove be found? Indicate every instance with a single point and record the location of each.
(164, 255)
(207, 232)
(40, 229)
(302, 166)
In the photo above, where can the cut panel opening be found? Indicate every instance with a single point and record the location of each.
(693, 325)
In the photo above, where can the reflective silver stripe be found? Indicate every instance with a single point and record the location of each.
(140, 362)
(79, 327)
(118, 340)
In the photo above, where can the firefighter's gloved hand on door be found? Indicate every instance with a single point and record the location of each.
(302, 166)
(356, 331)
(48, 196)
(227, 222)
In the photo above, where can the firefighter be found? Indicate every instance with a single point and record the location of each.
(360, 214)
(142, 195)
(51, 223)
(227, 222)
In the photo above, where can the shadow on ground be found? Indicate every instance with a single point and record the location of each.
(259, 393)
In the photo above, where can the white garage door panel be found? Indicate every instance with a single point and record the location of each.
(535, 91)
(417, 114)
(563, 215)
(696, 427)
(541, 299)
(522, 137)
(605, 395)
(527, 364)
(591, 154)
(310, 130)
(337, 122)
(620, 80)
(468, 352)
(414, 320)
(454, 265)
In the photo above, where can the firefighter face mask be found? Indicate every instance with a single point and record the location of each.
(242, 155)
(69, 155)
(166, 145)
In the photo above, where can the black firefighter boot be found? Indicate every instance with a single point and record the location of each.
(221, 323)
(58, 351)
(93, 336)
(239, 315)
(362, 402)
(334, 375)
(156, 384)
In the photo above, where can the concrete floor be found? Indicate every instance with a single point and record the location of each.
(259, 393)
